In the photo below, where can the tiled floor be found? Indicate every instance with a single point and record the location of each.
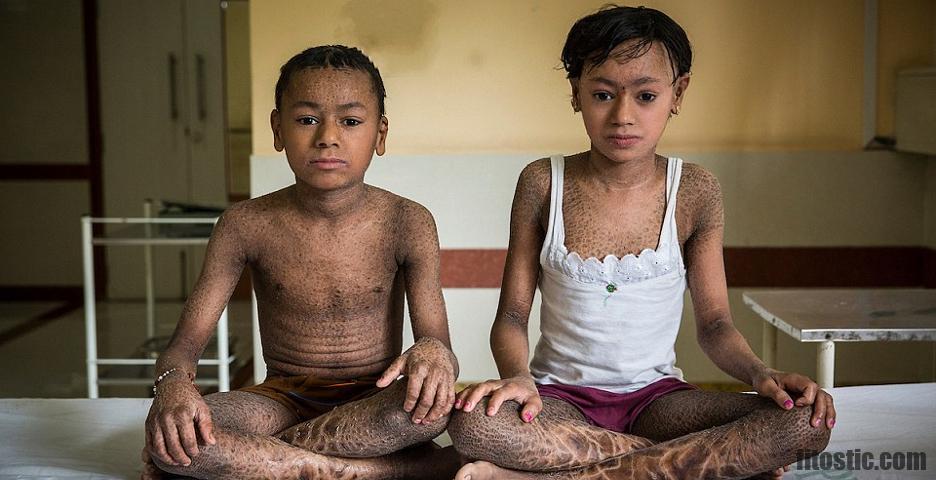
(42, 345)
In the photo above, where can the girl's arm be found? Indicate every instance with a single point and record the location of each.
(509, 335)
(716, 333)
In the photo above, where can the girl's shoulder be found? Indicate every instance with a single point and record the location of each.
(699, 199)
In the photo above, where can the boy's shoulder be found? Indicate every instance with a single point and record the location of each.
(396, 205)
(264, 205)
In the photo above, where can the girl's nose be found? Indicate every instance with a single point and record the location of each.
(623, 111)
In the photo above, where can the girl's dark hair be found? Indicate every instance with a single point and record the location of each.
(331, 56)
(593, 37)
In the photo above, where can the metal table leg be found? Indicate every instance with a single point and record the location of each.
(769, 342)
(87, 258)
(825, 364)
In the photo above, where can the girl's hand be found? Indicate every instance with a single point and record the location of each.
(520, 389)
(775, 384)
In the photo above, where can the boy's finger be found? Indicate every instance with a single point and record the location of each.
(441, 407)
(173, 447)
(413, 387)
(206, 426)
(159, 447)
(392, 372)
(426, 399)
(187, 438)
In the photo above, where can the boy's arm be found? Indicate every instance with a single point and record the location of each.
(430, 366)
(509, 334)
(178, 408)
(716, 333)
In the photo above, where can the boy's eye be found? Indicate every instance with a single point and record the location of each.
(602, 96)
(307, 120)
(647, 97)
(351, 122)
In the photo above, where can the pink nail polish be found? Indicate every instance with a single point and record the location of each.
(831, 423)
(788, 404)
(527, 417)
(468, 406)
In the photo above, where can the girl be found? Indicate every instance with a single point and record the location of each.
(612, 236)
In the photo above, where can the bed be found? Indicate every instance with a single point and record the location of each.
(101, 438)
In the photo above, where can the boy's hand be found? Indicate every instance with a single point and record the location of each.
(171, 423)
(520, 389)
(775, 384)
(430, 370)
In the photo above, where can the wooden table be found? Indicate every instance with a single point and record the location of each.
(829, 316)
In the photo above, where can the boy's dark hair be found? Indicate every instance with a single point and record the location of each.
(331, 56)
(593, 37)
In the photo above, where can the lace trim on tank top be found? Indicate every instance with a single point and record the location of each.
(614, 271)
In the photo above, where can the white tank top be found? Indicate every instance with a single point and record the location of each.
(611, 323)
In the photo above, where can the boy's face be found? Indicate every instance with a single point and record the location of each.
(330, 126)
(625, 105)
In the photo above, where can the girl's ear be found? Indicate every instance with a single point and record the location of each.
(574, 83)
(679, 92)
(382, 135)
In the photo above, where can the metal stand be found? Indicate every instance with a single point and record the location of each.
(224, 359)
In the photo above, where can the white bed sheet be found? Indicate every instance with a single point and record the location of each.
(101, 439)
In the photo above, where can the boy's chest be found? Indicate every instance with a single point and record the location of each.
(325, 270)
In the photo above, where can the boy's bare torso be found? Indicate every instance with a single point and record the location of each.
(329, 292)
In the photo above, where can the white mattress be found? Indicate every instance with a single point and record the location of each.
(101, 439)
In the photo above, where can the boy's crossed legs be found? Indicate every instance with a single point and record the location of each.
(702, 435)
(257, 437)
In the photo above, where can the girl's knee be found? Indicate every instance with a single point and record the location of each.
(475, 434)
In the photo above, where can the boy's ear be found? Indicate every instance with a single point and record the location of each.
(574, 83)
(275, 125)
(382, 130)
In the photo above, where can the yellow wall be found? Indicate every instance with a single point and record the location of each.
(481, 77)
(905, 40)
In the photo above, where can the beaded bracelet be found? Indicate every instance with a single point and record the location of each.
(165, 374)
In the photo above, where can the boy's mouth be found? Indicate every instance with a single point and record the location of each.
(623, 140)
(328, 163)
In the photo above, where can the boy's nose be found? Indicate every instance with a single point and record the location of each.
(326, 135)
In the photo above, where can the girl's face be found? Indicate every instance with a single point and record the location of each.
(625, 104)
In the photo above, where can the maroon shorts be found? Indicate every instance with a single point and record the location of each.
(612, 411)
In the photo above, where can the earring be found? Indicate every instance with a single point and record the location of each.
(575, 107)
(675, 110)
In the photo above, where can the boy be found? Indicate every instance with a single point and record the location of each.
(330, 259)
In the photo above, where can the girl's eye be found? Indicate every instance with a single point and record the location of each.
(602, 96)
(307, 120)
(647, 97)
(351, 122)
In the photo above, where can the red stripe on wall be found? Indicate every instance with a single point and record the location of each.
(782, 267)
(478, 268)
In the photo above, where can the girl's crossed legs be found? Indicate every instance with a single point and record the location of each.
(701, 434)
